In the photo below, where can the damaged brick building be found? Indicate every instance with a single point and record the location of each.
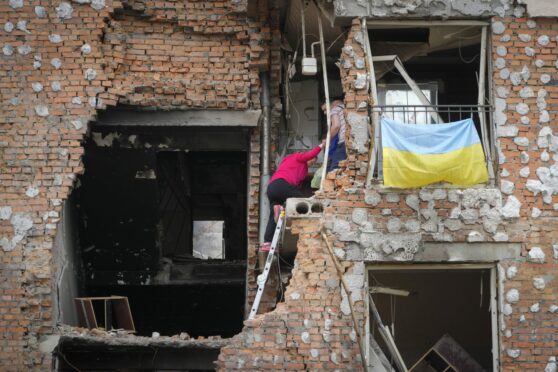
(137, 138)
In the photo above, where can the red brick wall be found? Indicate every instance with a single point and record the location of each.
(533, 338)
(387, 225)
(171, 54)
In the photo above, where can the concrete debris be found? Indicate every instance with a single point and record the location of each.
(56, 63)
(359, 131)
(41, 110)
(511, 272)
(26, 49)
(512, 296)
(551, 365)
(536, 255)
(543, 40)
(5, 213)
(511, 208)
(64, 10)
(507, 310)
(513, 353)
(97, 4)
(37, 87)
(539, 283)
(22, 26)
(475, 236)
(16, 4)
(361, 81)
(85, 48)
(32, 191)
(372, 198)
(55, 38)
(90, 74)
(40, 11)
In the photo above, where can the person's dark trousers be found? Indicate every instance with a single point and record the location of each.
(339, 155)
(278, 192)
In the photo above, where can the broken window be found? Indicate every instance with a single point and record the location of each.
(427, 308)
(430, 75)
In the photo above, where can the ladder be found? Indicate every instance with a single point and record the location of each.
(262, 278)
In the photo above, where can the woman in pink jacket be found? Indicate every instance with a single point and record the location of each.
(285, 183)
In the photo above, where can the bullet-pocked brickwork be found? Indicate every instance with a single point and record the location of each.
(60, 63)
(371, 225)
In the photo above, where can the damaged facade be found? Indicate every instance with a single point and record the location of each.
(133, 133)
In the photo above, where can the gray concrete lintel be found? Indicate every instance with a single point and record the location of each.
(467, 252)
(542, 8)
(414, 9)
(181, 118)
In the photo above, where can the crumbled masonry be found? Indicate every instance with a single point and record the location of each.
(64, 64)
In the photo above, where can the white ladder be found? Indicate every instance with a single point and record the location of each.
(262, 278)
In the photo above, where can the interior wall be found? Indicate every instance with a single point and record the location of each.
(67, 264)
(455, 301)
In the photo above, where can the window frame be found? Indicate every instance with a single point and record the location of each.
(487, 134)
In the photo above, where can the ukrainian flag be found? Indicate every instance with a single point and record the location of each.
(420, 154)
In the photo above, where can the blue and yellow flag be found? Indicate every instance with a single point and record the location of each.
(420, 154)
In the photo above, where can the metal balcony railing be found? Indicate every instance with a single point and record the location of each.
(420, 114)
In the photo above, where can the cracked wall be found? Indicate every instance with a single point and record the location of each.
(511, 223)
(61, 63)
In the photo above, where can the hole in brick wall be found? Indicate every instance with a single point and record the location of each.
(137, 227)
(434, 303)
(302, 208)
(317, 208)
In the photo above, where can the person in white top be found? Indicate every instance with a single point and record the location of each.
(337, 150)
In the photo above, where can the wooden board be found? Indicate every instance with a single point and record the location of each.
(115, 308)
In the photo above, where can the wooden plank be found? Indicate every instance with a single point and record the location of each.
(89, 313)
(327, 103)
(80, 310)
(390, 291)
(108, 314)
(415, 88)
(123, 314)
(386, 336)
(98, 298)
(455, 355)
(374, 147)
(480, 102)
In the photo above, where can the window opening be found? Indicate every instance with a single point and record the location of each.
(208, 240)
(401, 96)
(451, 61)
(418, 310)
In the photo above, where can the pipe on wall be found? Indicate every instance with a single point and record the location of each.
(265, 150)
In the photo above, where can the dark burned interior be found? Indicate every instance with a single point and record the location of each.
(162, 220)
(456, 302)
